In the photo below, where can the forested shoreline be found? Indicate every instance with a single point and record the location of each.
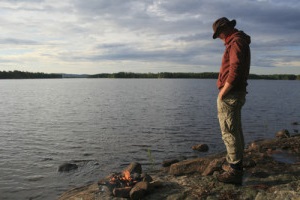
(204, 75)
(177, 75)
(26, 75)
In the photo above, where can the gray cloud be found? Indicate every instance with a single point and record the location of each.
(165, 32)
(14, 41)
(124, 52)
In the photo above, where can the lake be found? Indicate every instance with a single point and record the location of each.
(104, 124)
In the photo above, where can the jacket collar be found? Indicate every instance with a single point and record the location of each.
(229, 37)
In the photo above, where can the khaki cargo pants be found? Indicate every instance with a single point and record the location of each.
(229, 114)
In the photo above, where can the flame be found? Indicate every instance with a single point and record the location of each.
(121, 180)
(126, 175)
(112, 180)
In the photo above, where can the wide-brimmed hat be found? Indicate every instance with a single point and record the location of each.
(222, 22)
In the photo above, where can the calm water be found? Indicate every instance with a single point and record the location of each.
(104, 124)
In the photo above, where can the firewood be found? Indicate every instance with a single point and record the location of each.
(146, 177)
(139, 190)
(102, 182)
(122, 192)
(134, 167)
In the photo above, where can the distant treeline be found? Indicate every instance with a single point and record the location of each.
(206, 75)
(275, 77)
(210, 75)
(26, 75)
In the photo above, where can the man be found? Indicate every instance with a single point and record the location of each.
(232, 83)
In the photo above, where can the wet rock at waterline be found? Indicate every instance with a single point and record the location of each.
(283, 134)
(200, 147)
(169, 162)
(66, 167)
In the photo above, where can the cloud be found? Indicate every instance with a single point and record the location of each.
(15, 41)
(170, 34)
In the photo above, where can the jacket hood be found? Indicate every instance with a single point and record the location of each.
(240, 35)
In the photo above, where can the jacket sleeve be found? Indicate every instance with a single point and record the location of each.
(236, 60)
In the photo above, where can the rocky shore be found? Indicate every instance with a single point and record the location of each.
(271, 171)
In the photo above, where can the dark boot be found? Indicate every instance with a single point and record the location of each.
(226, 167)
(232, 176)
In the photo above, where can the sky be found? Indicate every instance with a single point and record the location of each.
(144, 36)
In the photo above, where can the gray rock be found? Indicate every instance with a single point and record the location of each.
(168, 163)
(283, 134)
(189, 166)
(200, 147)
(214, 165)
(66, 167)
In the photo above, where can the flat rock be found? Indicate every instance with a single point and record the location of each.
(189, 166)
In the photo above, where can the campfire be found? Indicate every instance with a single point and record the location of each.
(130, 183)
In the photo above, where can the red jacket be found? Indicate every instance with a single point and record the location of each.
(236, 62)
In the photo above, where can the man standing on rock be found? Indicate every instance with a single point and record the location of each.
(232, 83)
